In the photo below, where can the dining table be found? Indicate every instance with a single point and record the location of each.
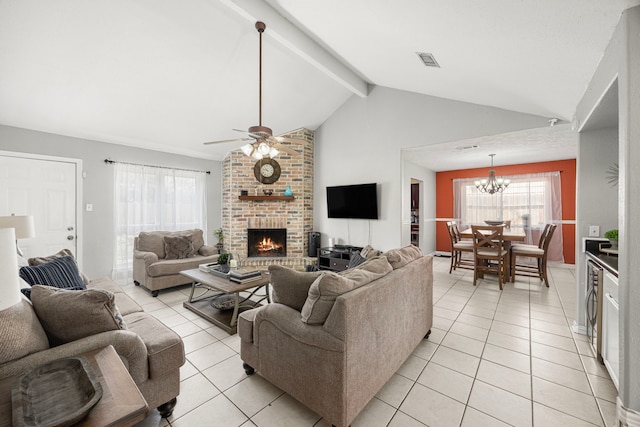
(511, 234)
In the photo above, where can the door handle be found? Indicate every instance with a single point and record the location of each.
(70, 237)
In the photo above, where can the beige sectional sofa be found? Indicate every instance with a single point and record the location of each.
(152, 352)
(155, 268)
(331, 340)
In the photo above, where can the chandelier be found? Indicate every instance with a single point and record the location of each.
(493, 184)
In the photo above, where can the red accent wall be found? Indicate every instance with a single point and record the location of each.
(567, 168)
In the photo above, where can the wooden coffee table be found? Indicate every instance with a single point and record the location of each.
(121, 404)
(211, 286)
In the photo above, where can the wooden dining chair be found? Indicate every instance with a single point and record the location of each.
(458, 247)
(539, 252)
(489, 254)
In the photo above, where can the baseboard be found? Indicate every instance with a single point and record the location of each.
(627, 417)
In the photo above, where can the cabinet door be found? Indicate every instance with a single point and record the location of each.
(610, 327)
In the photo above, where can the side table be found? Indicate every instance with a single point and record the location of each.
(121, 405)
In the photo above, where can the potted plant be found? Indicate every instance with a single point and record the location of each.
(219, 233)
(223, 261)
(612, 235)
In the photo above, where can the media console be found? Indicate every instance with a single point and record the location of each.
(335, 258)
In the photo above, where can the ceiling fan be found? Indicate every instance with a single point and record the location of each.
(264, 145)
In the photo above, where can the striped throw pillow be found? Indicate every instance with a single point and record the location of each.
(60, 273)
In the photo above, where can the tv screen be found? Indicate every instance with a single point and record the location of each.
(353, 201)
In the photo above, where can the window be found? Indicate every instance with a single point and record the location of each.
(151, 198)
(530, 202)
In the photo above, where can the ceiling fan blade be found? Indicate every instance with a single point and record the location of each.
(228, 140)
(291, 131)
(287, 139)
(285, 149)
(240, 130)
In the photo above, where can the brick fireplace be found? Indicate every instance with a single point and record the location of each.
(295, 216)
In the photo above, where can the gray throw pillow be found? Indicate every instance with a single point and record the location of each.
(178, 247)
(329, 286)
(355, 259)
(400, 257)
(70, 315)
(291, 287)
(20, 332)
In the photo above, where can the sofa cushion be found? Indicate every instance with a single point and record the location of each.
(124, 302)
(369, 252)
(400, 257)
(178, 247)
(61, 253)
(70, 315)
(291, 287)
(165, 349)
(329, 285)
(61, 272)
(20, 332)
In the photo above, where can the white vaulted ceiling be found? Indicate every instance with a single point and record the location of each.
(169, 75)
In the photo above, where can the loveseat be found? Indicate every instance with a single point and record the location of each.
(59, 323)
(160, 256)
(333, 340)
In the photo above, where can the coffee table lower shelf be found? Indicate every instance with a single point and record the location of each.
(220, 318)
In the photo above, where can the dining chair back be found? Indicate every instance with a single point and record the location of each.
(540, 253)
(488, 251)
(458, 247)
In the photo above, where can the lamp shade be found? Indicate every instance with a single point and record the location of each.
(23, 225)
(9, 282)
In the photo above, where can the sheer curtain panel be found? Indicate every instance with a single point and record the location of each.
(149, 198)
(530, 202)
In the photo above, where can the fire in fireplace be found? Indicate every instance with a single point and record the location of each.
(267, 242)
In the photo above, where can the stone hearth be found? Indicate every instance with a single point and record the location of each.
(296, 215)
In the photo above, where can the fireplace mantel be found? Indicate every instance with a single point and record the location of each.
(268, 198)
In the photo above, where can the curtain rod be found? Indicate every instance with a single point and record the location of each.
(109, 161)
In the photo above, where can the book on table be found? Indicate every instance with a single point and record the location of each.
(245, 280)
(244, 273)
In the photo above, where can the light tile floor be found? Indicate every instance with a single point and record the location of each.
(494, 358)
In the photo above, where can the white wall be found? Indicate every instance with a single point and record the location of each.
(596, 200)
(97, 234)
(362, 141)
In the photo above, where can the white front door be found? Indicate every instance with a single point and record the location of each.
(44, 187)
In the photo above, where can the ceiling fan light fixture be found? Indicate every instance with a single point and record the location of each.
(273, 152)
(256, 155)
(263, 148)
(247, 149)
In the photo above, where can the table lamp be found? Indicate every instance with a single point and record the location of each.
(23, 226)
(9, 282)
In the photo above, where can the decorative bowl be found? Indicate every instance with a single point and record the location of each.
(494, 222)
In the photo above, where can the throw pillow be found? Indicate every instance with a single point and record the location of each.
(290, 287)
(61, 273)
(369, 252)
(327, 287)
(61, 253)
(70, 315)
(20, 332)
(178, 247)
(400, 257)
(355, 259)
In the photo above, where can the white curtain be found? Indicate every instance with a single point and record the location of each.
(530, 202)
(149, 198)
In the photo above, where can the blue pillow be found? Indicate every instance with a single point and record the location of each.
(60, 273)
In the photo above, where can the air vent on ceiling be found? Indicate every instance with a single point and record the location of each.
(467, 147)
(428, 59)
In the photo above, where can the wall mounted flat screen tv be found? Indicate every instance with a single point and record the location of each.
(353, 201)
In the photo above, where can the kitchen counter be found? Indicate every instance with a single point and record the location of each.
(608, 262)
